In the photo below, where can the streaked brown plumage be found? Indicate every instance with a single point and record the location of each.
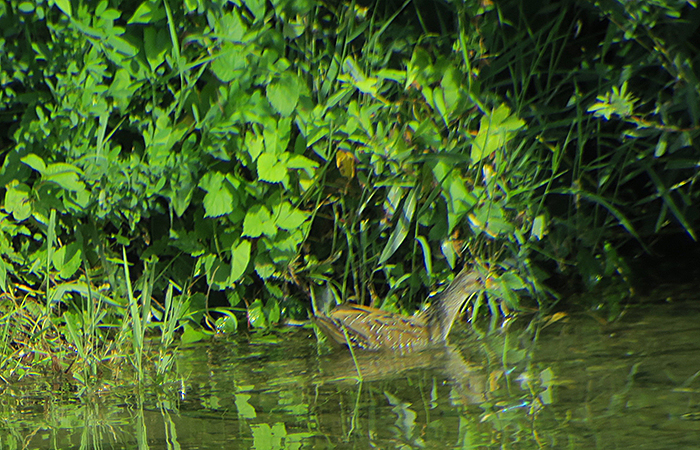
(373, 329)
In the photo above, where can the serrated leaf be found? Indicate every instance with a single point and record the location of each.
(270, 168)
(289, 218)
(218, 203)
(219, 199)
(258, 221)
(283, 94)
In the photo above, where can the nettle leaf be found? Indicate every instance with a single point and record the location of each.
(271, 169)
(283, 94)
(258, 221)
(289, 218)
(219, 199)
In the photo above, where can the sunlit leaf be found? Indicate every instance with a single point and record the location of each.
(65, 6)
(219, 199)
(398, 235)
(17, 200)
(256, 315)
(289, 218)
(240, 256)
(148, 12)
(35, 162)
(283, 94)
(258, 221)
(270, 168)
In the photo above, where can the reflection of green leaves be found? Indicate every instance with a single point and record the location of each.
(245, 409)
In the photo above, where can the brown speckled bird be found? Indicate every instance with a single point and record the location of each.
(373, 329)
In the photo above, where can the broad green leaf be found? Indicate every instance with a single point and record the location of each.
(302, 162)
(495, 131)
(258, 221)
(257, 7)
(256, 315)
(270, 168)
(283, 94)
(232, 27)
(35, 162)
(219, 199)
(227, 324)
(190, 335)
(228, 63)
(264, 266)
(148, 12)
(272, 310)
(539, 227)
(65, 6)
(254, 145)
(289, 218)
(67, 260)
(156, 43)
(218, 203)
(122, 46)
(65, 175)
(240, 256)
(17, 200)
(28, 7)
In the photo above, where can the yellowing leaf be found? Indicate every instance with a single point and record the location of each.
(346, 163)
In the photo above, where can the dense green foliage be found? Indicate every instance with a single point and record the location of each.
(229, 154)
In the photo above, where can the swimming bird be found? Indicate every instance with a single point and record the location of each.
(370, 328)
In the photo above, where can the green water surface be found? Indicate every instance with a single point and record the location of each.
(575, 383)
